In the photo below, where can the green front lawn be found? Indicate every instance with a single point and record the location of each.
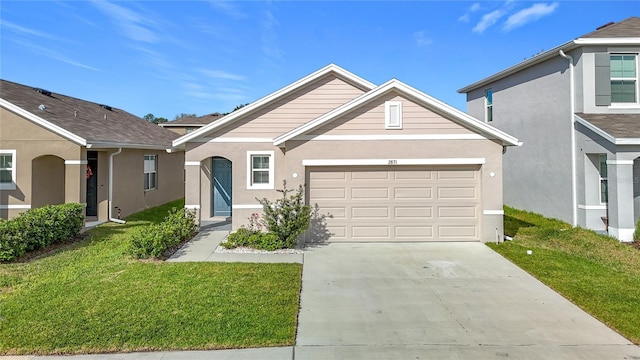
(596, 272)
(89, 297)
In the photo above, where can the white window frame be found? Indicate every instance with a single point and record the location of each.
(488, 107)
(147, 173)
(601, 178)
(389, 107)
(636, 80)
(14, 163)
(250, 155)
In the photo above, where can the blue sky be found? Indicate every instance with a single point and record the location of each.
(172, 57)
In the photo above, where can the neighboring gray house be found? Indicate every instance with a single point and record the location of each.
(383, 163)
(576, 108)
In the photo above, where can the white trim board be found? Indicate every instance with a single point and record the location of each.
(246, 206)
(390, 137)
(619, 162)
(76, 162)
(192, 163)
(493, 212)
(15, 207)
(592, 207)
(233, 140)
(192, 207)
(393, 162)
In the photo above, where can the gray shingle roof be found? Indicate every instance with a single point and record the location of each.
(619, 126)
(626, 28)
(195, 121)
(89, 120)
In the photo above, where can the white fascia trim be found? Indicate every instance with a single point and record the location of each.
(364, 162)
(192, 207)
(16, 207)
(192, 163)
(234, 140)
(110, 145)
(42, 122)
(595, 129)
(493, 212)
(390, 137)
(628, 141)
(76, 162)
(246, 206)
(619, 162)
(417, 95)
(592, 207)
(608, 41)
(271, 97)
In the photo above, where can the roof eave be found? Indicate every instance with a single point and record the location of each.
(44, 123)
(111, 145)
(605, 135)
(271, 97)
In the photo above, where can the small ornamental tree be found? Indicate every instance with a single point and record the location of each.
(287, 217)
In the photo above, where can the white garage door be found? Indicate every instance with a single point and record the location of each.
(398, 203)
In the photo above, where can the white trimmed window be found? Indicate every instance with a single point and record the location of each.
(624, 78)
(602, 168)
(7, 169)
(260, 169)
(488, 105)
(150, 172)
(393, 115)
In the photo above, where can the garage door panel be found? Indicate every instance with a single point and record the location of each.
(456, 193)
(457, 212)
(366, 193)
(417, 203)
(414, 212)
(417, 193)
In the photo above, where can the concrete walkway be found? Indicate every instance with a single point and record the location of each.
(414, 301)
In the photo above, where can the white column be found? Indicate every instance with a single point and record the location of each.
(620, 183)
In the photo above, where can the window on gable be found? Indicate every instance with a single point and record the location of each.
(488, 104)
(624, 78)
(150, 172)
(393, 115)
(603, 179)
(260, 169)
(7, 169)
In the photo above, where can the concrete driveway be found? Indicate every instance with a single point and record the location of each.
(439, 301)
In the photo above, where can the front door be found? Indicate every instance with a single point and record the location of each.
(92, 183)
(221, 184)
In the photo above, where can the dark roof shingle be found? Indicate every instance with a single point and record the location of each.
(93, 122)
(619, 126)
(193, 120)
(626, 28)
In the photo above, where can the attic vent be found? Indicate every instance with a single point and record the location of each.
(105, 107)
(605, 25)
(43, 91)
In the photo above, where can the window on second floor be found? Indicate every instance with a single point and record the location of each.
(488, 104)
(624, 78)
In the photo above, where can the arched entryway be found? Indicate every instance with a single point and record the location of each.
(47, 181)
(221, 187)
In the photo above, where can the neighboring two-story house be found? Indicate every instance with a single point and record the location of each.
(576, 108)
(188, 124)
(57, 149)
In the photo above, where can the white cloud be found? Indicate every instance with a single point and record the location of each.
(269, 36)
(421, 38)
(228, 8)
(530, 14)
(53, 54)
(467, 16)
(217, 74)
(132, 24)
(488, 20)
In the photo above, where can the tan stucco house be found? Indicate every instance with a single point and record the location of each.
(57, 149)
(382, 163)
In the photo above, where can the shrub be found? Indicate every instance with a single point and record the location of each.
(636, 233)
(287, 217)
(155, 239)
(38, 228)
(253, 239)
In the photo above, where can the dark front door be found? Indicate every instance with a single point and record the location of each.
(221, 184)
(92, 183)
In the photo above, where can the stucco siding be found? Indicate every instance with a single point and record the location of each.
(293, 110)
(534, 106)
(370, 120)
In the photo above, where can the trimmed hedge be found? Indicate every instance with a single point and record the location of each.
(253, 239)
(38, 228)
(155, 239)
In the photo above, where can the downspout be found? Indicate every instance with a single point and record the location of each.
(111, 156)
(574, 190)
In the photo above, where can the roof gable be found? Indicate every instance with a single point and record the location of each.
(411, 93)
(273, 97)
(82, 122)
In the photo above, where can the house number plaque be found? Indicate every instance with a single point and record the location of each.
(393, 162)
